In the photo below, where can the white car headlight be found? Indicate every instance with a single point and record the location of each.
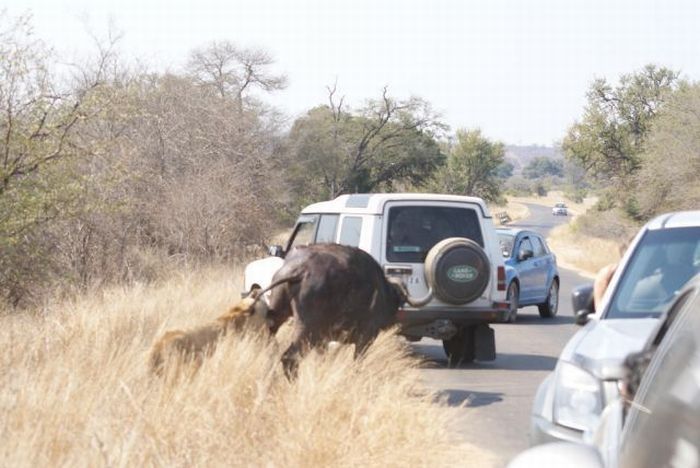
(577, 398)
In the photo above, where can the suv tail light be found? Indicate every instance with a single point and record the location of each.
(501, 278)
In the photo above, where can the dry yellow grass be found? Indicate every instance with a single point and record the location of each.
(585, 254)
(75, 391)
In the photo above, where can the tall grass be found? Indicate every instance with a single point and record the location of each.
(592, 240)
(75, 391)
(582, 252)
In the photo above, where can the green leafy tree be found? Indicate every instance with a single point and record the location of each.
(505, 170)
(543, 166)
(518, 186)
(38, 151)
(609, 139)
(670, 164)
(472, 166)
(333, 150)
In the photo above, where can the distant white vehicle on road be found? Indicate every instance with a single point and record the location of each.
(560, 209)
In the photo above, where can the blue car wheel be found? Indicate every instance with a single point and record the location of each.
(513, 296)
(550, 306)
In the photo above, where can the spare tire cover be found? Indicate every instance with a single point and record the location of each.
(458, 270)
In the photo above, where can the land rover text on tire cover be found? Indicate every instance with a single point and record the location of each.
(444, 249)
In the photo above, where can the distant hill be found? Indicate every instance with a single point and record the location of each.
(520, 156)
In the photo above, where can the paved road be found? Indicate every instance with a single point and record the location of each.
(498, 395)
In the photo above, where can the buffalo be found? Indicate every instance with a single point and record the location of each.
(335, 293)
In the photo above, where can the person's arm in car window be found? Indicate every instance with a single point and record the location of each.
(600, 284)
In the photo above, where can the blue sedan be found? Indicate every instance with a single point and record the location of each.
(531, 272)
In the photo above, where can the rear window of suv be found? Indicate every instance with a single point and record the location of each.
(414, 230)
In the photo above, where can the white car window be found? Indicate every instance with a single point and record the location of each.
(663, 261)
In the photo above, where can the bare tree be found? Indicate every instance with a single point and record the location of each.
(120, 174)
(334, 150)
(234, 71)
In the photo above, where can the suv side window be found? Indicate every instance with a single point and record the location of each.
(326, 228)
(350, 231)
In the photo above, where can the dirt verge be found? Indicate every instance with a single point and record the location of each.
(583, 254)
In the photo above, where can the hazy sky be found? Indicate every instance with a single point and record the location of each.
(518, 69)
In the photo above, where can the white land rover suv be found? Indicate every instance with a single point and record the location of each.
(444, 248)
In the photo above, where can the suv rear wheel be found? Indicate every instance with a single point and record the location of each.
(460, 348)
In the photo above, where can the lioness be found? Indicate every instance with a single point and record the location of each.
(196, 344)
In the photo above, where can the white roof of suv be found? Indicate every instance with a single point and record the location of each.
(373, 203)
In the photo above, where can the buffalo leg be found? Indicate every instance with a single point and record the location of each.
(362, 342)
(290, 360)
(302, 342)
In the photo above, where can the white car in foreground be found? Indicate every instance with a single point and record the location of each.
(663, 256)
(658, 423)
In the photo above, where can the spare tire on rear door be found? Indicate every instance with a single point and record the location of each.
(457, 270)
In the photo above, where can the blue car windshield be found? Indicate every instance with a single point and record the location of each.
(506, 241)
(663, 261)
